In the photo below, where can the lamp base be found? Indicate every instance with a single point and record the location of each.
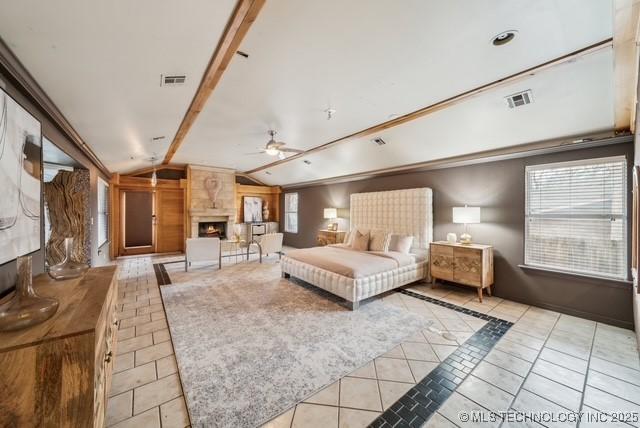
(465, 238)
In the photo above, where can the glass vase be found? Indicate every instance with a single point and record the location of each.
(25, 308)
(68, 268)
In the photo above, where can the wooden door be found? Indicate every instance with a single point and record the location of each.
(170, 220)
(137, 219)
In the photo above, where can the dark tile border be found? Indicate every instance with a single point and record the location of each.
(161, 274)
(415, 407)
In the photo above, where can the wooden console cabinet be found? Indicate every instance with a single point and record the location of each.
(465, 264)
(326, 237)
(58, 373)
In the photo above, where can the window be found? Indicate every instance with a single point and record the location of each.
(576, 217)
(103, 212)
(291, 212)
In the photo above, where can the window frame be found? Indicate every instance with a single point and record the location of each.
(624, 217)
(103, 184)
(287, 212)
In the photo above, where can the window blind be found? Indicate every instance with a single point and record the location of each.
(576, 217)
(291, 212)
(103, 212)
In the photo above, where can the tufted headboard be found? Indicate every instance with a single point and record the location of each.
(407, 212)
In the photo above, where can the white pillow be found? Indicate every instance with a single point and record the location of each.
(360, 241)
(400, 243)
(379, 240)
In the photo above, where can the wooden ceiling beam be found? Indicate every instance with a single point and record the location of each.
(449, 102)
(243, 16)
(625, 62)
(146, 170)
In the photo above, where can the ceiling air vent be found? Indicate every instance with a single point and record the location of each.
(379, 141)
(519, 99)
(308, 162)
(173, 80)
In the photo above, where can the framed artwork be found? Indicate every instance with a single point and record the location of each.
(252, 209)
(20, 175)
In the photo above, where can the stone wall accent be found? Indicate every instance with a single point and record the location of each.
(206, 183)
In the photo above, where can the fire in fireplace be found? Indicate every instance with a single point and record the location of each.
(212, 229)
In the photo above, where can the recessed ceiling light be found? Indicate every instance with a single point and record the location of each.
(379, 141)
(504, 38)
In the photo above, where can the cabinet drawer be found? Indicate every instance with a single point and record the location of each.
(442, 267)
(468, 268)
(441, 249)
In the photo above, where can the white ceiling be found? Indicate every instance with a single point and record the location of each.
(100, 62)
(370, 60)
(570, 99)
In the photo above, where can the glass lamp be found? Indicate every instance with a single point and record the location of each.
(466, 215)
(331, 214)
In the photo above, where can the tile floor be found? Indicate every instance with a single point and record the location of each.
(145, 389)
(546, 362)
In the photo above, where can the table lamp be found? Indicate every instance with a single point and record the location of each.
(331, 214)
(466, 215)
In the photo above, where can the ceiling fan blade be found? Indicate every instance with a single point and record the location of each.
(292, 150)
(254, 153)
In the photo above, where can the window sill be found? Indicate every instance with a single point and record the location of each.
(613, 281)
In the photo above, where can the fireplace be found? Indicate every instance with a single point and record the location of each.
(212, 229)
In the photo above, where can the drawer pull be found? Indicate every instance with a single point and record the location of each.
(107, 357)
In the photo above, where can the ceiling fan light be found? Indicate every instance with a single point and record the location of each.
(272, 151)
(154, 179)
(281, 155)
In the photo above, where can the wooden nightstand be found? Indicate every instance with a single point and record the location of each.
(470, 265)
(326, 237)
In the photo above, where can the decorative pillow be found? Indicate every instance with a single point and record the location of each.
(347, 237)
(360, 241)
(400, 243)
(379, 240)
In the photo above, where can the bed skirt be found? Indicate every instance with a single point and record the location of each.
(355, 289)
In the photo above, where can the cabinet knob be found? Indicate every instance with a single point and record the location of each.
(107, 357)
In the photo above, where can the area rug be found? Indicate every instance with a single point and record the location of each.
(251, 345)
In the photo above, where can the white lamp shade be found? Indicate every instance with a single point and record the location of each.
(466, 215)
(330, 213)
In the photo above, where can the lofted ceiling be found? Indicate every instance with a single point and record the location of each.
(571, 99)
(100, 62)
(371, 61)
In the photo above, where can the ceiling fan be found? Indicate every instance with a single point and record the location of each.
(276, 148)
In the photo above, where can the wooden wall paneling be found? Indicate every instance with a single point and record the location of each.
(170, 220)
(267, 193)
(187, 204)
(174, 220)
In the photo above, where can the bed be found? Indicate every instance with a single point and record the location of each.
(357, 275)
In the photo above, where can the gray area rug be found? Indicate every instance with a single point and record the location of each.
(251, 345)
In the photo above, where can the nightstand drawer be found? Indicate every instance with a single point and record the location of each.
(441, 249)
(442, 266)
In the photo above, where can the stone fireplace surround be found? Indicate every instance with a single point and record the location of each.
(201, 207)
